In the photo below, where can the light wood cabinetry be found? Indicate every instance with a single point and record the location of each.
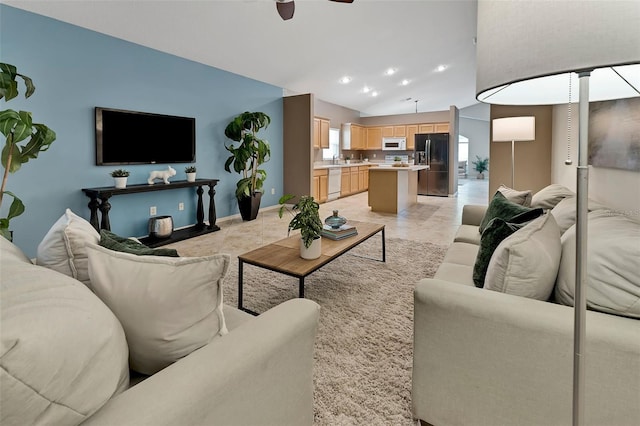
(358, 137)
(394, 131)
(354, 179)
(321, 185)
(345, 182)
(425, 128)
(355, 183)
(412, 129)
(441, 128)
(363, 178)
(374, 138)
(316, 133)
(324, 188)
(320, 132)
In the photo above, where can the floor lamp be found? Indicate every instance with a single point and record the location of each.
(525, 52)
(513, 129)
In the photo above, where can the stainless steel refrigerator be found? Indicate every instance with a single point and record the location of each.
(432, 149)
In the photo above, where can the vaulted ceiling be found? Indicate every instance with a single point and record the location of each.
(310, 53)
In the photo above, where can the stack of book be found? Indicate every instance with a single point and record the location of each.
(343, 231)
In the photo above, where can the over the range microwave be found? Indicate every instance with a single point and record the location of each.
(394, 144)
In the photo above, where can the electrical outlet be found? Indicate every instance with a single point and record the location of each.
(153, 211)
(374, 155)
(181, 206)
(273, 191)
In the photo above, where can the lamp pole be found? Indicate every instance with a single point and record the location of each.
(580, 299)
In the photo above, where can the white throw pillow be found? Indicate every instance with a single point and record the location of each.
(565, 212)
(549, 196)
(168, 306)
(63, 353)
(62, 249)
(526, 263)
(519, 197)
(613, 267)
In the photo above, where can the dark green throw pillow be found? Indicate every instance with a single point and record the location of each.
(506, 210)
(497, 230)
(117, 243)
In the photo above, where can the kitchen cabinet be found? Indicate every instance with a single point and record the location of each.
(358, 135)
(354, 136)
(425, 128)
(441, 128)
(394, 131)
(362, 178)
(355, 182)
(320, 132)
(321, 185)
(316, 133)
(412, 129)
(374, 138)
(345, 183)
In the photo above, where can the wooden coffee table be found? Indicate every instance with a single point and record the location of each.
(284, 256)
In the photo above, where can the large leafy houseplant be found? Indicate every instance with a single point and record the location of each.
(250, 153)
(307, 218)
(24, 138)
(481, 164)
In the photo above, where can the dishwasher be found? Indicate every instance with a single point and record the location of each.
(335, 181)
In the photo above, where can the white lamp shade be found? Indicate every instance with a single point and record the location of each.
(527, 49)
(514, 129)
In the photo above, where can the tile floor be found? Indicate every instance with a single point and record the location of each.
(433, 219)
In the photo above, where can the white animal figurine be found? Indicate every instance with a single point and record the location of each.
(161, 174)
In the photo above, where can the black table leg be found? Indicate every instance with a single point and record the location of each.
(199, 209)
(105, 206)
(384, 248)
(212, 208)
(240, 265)
(301, 288)
(93, 206)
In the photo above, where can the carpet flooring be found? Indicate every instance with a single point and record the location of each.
(363, 355)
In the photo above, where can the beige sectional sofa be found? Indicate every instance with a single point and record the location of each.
(65, 355)
(501, 357)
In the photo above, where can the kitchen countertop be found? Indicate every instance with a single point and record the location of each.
(390, 168)
(332, 166)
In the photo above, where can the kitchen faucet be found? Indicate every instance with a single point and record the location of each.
(334, 160)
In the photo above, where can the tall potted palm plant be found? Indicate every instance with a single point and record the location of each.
(24, 139)
(246, 159)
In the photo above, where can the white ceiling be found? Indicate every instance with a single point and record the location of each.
(308, 54)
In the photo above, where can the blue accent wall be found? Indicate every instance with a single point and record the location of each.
(75, 70)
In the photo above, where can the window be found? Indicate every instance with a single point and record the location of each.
(334, 145)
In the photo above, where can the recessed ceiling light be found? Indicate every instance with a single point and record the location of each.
(441, 68)
(404, 82)
(346, 79)
(390, 71)
(366, 89)
(374, 93)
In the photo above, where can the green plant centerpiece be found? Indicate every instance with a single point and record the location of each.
(24, 138)
(246, 159)
(190, 169)
(120, 173)
(480, 165)
(306, 219)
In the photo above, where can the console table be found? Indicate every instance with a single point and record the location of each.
(100, 201)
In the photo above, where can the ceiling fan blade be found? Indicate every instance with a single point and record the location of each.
(342, 1)
(285, 9)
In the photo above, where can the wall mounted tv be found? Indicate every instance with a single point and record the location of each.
(131, 137)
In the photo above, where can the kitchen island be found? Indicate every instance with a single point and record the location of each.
(393, 189)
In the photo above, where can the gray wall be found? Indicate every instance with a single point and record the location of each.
(474, 125)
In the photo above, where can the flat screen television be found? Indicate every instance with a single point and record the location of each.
(131, 137)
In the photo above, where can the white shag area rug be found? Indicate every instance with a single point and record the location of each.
(364, 347)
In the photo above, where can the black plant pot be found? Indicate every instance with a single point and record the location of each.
(249, 206)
